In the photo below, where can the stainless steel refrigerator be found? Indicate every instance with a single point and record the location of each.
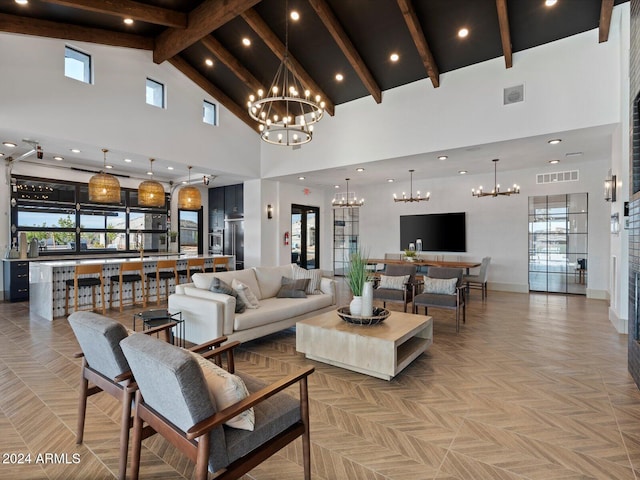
(234, 239)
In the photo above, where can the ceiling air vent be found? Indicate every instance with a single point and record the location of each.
(555, 177)
(513, 95)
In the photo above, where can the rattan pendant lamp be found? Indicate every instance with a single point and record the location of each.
(104, 188)
(189, 196)
(150, 192)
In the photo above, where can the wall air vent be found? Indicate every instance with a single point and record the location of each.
(555, 177)
(513, 95)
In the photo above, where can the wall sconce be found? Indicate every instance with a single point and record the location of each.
(610, 188)
(269, 212)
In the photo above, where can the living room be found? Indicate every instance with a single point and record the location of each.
(580, 97)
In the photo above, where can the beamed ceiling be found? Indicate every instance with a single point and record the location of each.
(351, 37)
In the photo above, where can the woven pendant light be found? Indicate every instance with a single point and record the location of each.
(104, 188)
(150, 192)
(189, 197)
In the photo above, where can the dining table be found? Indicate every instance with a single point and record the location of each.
(420, 262)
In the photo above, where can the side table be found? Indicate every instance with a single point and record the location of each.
(155, 318)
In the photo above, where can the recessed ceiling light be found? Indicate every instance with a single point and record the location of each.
(550, 3)
(553, 162)
(336, 186)
(209, 62)
(1, 154)
(75, 150)
(246, 42)
(394, 57)
(442, 157)
(554, 141)
(22, 2)
(58, 157)
(573, 154)
(339, 77)
(109, 167)
(462, 172)
(127, 160)
(463, 32)
(360, 169)
(169, 168)
(295, 15)
(128, 21)
(149, 173)
(300, 178)
(9, 144)
(390, 180)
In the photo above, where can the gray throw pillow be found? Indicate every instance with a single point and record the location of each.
(220, 286)
(293, 288)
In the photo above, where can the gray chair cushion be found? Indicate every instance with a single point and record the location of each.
(435, 300)
(388, 295)
(99, 338)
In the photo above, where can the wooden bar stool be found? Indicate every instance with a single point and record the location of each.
(124, 277)
(165, 270)
(77, 282)
(220, 264)
(192, 264)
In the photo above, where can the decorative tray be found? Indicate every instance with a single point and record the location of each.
(379, 315)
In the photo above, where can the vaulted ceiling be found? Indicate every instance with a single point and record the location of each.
(354, 38)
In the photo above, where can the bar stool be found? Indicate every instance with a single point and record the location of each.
(131, 278)
(165, 270)
(192, 264)
(77, 282)
(220, 264)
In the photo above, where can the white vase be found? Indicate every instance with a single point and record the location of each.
(367, 299)
(355, 307)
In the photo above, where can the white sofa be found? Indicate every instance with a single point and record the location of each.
(208, 315)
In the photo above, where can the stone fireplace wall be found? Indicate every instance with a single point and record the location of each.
(634, 195)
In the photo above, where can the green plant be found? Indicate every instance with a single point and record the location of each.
(173, 235)
(410, 253)
(357, 272)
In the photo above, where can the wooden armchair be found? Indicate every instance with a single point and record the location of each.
(105, 366)
(442, 288)
(187, 417)
(399, 293)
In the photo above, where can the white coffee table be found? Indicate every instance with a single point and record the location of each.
(381, 351)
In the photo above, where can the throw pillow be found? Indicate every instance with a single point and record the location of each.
(314, 276)
(293, 288)
(220, 286)
(245, 293)
(225, 390)
(393, 282)
(441, 286)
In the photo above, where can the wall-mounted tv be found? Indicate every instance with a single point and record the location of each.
(439, 232)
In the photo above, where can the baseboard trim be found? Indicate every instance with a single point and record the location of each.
(620, 324)
(597, 294)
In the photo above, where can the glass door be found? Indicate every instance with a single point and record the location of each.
(305, 231)
(190, 231)
(558, 243)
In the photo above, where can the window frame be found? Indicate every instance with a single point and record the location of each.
(88, 69)
(214, 108)
(163, 90)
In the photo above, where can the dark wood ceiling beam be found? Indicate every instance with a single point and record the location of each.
(196, 77)
(277, 47)
(505, 35)
(231, 62)
(201, 21)
(49, 29)
(345, 44)
(606, 10)
(128, 8)
(411, 19)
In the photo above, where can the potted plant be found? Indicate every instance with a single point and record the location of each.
(410, 255)
(173, 241)
(360, 284)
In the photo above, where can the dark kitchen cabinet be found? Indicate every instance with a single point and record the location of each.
(16, 280)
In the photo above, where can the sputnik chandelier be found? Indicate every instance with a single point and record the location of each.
(496, 186)
(411, 198)
(287, 113)
(347, 199)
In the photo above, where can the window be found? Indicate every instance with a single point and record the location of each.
(209, 113)
(155, 93)
(59, 215)
(77, 65)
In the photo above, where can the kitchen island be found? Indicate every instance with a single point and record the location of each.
(47, 278)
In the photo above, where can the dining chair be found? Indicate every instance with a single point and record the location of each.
(442, 288)
(478, 281)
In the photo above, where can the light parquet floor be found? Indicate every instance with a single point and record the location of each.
(534, 387)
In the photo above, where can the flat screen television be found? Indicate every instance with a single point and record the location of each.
(439, 232)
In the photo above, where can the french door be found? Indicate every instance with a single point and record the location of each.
(305, 235)
(558, 230)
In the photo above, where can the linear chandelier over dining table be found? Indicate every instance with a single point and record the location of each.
(411, 198)
(479, 192)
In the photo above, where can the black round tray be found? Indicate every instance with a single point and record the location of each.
(379, 315)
